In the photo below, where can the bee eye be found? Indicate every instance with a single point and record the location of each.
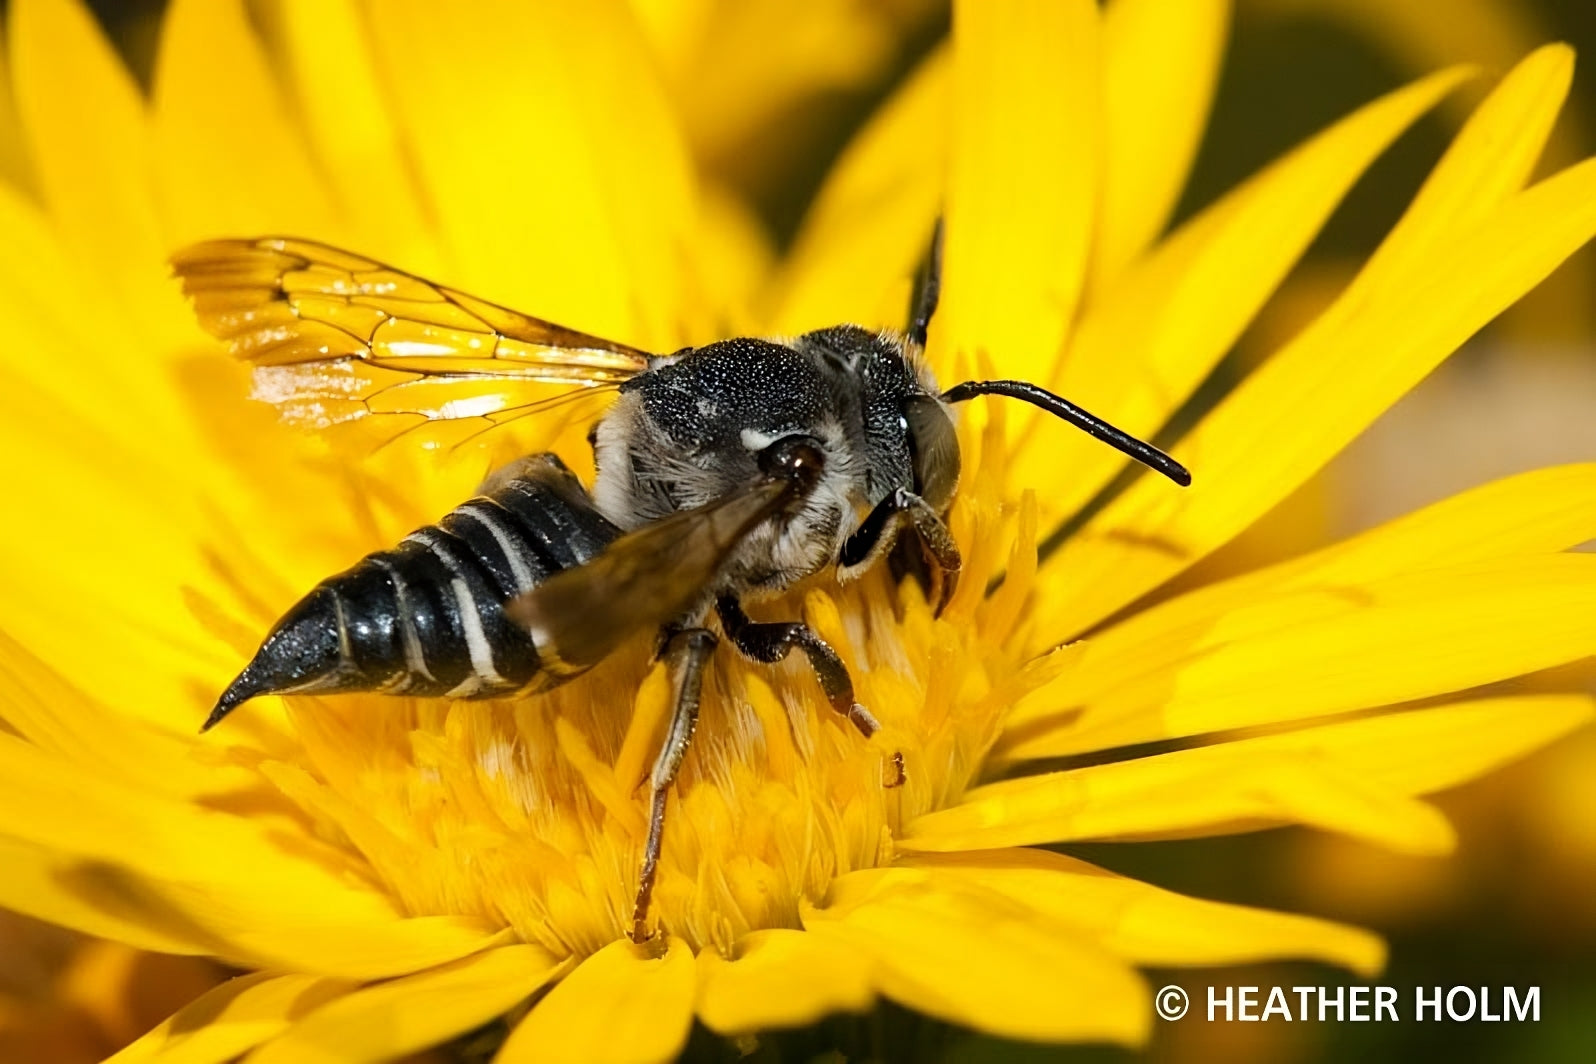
(934, 450)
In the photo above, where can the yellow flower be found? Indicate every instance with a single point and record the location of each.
(67, 998)
(399, 873)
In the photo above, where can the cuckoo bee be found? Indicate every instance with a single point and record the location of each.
(724, 472)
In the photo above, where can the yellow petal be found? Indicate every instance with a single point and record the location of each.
(61, 720)
(147, 649)
(780, 978)
(1300, 408)
(39, 281)
(1216, 790)
(228, 159)
(558, 190)
(231, 1019)
(16, 169)
(1353, 777)
(223, 880)
(871, 221)
(1493, 34)
(1327, 650)
(334, 82)
(1150, 926)
(625, 1004)
(740, 69)
(404, 1016)
(1144, 344)
(735, 264)
(1538, 512)
(57, 888)
(1160, 66)
(1022, 181)
(88, 136)
(360, 949)
(1487, 164)
(967, 955)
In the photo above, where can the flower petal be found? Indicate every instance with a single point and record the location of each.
(88, 136)
(621, 1005)
(404, 1016)
(145, 646)
(35, 272)
(1488, 163)
(53, 715)
(1325, 650)
(740, 70)
(306, 940)
(16, 169)
(226, 881)
(625, 1004)
(1147, 925)
(48, 885)
(228, 159)
(333, 77)
(232, 1019)
(871, 220)
(1144, 344)
(967, 955)
(1022, 181)
(1353, 777)
(1538, 512)
(1376, 342)
(780, 978)
(559, 190)
(1160, 66)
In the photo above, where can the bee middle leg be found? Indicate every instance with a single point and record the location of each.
(771, 642)
(686, 652)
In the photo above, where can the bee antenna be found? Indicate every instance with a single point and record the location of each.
(927, 288)
(1142, 451)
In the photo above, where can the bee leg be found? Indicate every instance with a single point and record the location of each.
(937, 544)
(770, 643)
(879, 531)
(687, 651)
(545, 468)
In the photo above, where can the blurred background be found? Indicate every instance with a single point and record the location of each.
(1516, 905)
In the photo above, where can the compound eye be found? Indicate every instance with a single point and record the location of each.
(800, 459)
(934, 449)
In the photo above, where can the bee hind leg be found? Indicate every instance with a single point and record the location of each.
(686, 651)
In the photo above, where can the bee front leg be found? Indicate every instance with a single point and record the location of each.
(686, 652)
(879, 531)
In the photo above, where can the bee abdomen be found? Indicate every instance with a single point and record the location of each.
(427, 617)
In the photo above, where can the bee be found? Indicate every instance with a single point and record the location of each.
(725, 473)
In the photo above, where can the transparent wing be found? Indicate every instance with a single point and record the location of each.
(645, 579)
(336, 336)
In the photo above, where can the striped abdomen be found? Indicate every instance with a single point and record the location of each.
(427, 617)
